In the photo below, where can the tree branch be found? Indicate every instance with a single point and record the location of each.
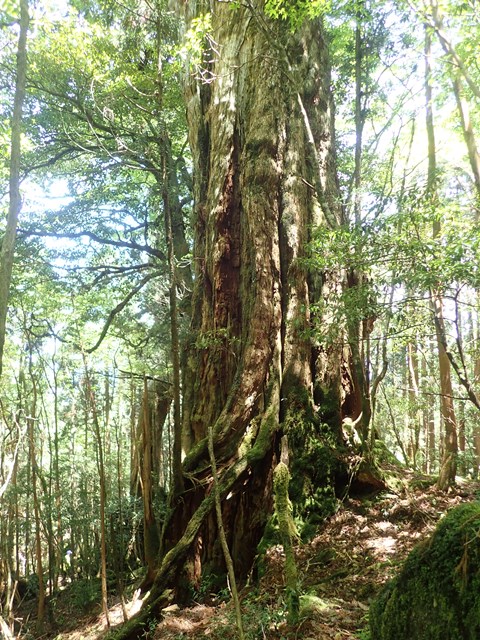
(114, 312)
(463, 379)
(93, 236)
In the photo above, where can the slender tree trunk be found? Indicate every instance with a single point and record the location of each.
(15, 201)
(56, 464)
(135, 468)
(150, 526)
(462, 441)
(163, 402)
(119, 552)
(436, 21)
(26, 547)
(476, 426)
(428, 415)
(52, 565)
(359, 112)
(73, 494)
(413, 401)
(449, 462)
(103, 491)
(358, 329)
(469, 136)
(177, 249)
(177, 425)
(407, 424)
(36, 506)
(9, 529)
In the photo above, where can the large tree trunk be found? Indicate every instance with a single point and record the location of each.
(260, 126)
(259, 184)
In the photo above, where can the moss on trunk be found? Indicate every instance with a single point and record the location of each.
(260, 132)
(283, 509)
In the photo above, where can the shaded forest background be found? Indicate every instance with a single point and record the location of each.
(182, 287)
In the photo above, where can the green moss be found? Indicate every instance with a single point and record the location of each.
(328, 399)
(311, 605)
(422, 482)
(283, 509)
(270, 538)
(383, 455)
(268, 426)
(283, 506)
(436, 596)
(314, 466)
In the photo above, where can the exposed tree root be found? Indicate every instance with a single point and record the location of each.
(160, 595)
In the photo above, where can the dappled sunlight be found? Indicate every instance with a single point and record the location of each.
(383, 546)
(340, 569)
(190, 621)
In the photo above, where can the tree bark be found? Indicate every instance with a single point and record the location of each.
(261, 135)
(92, 402)
(414, 420)
(36, 500)
(476, 428)
(468, 134)
(150, 526)
(15, 201)
(177, 476)
(449, 462)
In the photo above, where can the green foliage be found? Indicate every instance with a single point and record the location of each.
(295, 11)
(259, 613)
(85, 593)
(436, 595)
(383, 252)
(211, 586)
(364, 632)
(216, 339)
(9, 11)
(196, 41)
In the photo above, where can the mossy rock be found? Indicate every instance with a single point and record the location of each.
(436, 596)
(311, 605)
(422, 483)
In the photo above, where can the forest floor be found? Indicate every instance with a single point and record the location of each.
(341, 569)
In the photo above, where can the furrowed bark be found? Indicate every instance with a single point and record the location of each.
(260, 132)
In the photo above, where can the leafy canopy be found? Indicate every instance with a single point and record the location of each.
(295, 11)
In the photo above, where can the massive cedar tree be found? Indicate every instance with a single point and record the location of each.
(261, 133)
